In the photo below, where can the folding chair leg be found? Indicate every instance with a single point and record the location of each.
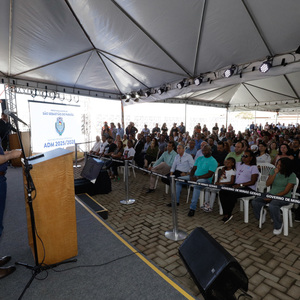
(202, 195)
(260, 217)
(290, 218)
(156, 182)
(220, 207)
(167, 189)
(188, 194)
(285, 217)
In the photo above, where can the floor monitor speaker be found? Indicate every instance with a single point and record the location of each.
(216, 273)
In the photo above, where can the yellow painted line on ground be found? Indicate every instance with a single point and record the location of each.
(145, 260)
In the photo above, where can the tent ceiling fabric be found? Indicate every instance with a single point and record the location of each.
(119, 46)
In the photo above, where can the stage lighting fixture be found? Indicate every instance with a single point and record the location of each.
(266, 65)
(132, 95)
(128, 96)
(180, 84)
(123, 97)
(229, 72)
(198, 80)
(161, 90)
(147, 94)
(138, 94)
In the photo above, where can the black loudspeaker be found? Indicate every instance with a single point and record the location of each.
(216, 273)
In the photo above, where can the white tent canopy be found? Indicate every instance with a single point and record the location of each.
(106, 48)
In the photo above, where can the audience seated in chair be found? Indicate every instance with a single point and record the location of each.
(226, 177)
(162, 165)
(192, 148)
(118, 153)
(237, 153)
(246, 178)
(281, 179)
(151, 153)
(202, 172)
(96, 148)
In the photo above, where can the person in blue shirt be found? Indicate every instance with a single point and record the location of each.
(4, 158)
(192, 148)
(202, 172)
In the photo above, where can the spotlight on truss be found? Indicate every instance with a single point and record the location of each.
(266, 65)
(229, 72)
(198, 80)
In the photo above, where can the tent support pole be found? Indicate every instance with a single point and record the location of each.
(122, 114)
(185, 116)
(226, 118)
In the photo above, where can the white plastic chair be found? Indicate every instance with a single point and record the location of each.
(244, 202)
(265, 169)
(286, 212)
(166, 186)
(130, 166)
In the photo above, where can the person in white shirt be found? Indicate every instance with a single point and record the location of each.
(129, 151)
(262, 155)
(102, 145)
(182, 164)
(226, 177)
(96, 148)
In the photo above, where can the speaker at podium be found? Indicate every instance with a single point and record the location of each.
(215, 272)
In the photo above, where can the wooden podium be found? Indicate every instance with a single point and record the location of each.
(54, 206)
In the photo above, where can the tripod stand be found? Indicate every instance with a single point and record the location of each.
(37, 268)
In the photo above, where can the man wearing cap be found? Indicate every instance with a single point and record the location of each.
(4, 157)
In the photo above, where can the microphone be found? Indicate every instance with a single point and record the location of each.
(12, 115)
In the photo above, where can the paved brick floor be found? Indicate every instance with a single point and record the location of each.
(271, 262)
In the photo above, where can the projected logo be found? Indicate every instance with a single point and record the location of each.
(60, 126)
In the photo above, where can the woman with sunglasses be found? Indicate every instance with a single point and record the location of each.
(246, 179)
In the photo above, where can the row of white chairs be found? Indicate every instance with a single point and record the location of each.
(265, 169)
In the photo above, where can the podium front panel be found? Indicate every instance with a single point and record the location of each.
(54, 207)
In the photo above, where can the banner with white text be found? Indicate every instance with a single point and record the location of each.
(53, 125)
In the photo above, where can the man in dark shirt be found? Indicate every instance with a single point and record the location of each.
(110, 147)
(211, 143)
(295, 152)
(4, 157)
(156, 129)
(138, 147)
(220, 154)
(5, 128)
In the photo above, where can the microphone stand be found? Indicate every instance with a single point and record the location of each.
(37, 267)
